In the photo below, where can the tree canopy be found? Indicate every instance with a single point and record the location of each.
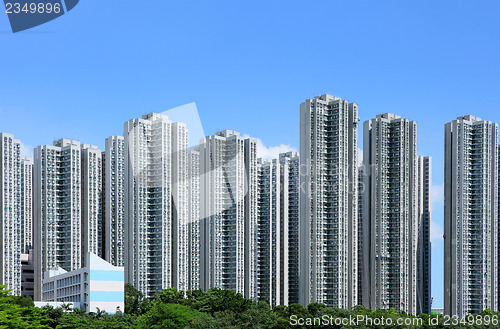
(218, 308)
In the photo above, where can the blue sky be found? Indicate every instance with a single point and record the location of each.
(249, 64)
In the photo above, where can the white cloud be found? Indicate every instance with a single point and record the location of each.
(360, 157)
(437, 194)
(437, 232)
(271, 152)
(26, 150)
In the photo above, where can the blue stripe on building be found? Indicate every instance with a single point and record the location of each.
(106, 296)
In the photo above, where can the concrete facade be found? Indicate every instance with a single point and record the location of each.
(328, 202)
(470, 216)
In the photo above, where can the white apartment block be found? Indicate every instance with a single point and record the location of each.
(362, 279)
(11, 232)
(180, 195)
(27, 203)
(155, 203)
(92, 228)
(66, 202)
(424, 234)
(277, 229)
(470, 216)
(114, 200)
(194, 220)
(272, 235)
(228, 166)
(290, 213)
(391, 221)
(328, 202)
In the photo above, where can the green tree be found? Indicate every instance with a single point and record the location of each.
(135, 303)
(162, 315)
(18, 312)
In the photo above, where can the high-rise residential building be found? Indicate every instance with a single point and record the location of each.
(91, 182)
(498, 214)
(328, 201)
(67, 206)
(272, 235)
(361, 256)
(57, 208)
(424, 235)
(470, 216)
(155, 204)
(290, 212)
(277, 229)
(11, 236)
(27, 203)
(391, 218)
(194, 220)
(228, 226)
(180, 214)
(114, 200)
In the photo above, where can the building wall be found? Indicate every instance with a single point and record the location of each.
(148, 203)
(92, 228)
(362, 280)
(328, 221)
(67, 206)
(470, 217)
(424, 244)
(27, 203)
(269, 233)
(194, 220)
(27, 275)
(114, 200)
(180, 214)
(11, 231)
(390, 212)
(250, 216)
(156, 214)
(228, 212)
(290, 212)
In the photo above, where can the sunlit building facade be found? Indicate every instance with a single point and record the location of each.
(114, 200)
(470, 216)
(328, 201)
(11, 228)
(228, 191)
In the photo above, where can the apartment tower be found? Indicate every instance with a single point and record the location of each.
(391, 214)
(424, 235)
(194, 220)
(228, 169)
(27, 203)
(91, 187)
(11, 230)
(470, 216)
(67, 187)
(155, 204)
(272, 235)
(114, 200)
(290, 212)
(328, 202)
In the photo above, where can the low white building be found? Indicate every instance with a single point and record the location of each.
(99, 285)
